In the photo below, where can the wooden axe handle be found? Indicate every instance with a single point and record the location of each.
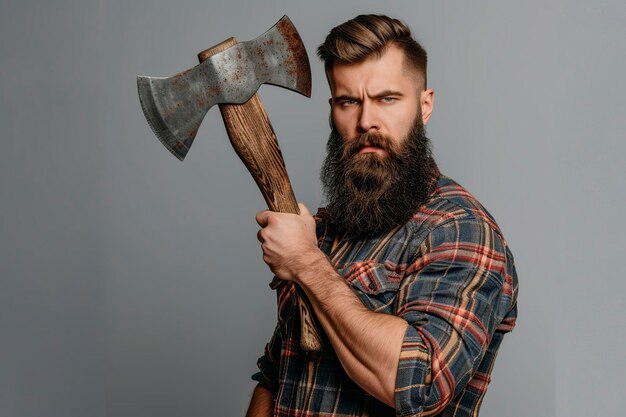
(253, 138)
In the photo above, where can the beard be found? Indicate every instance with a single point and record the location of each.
(369, 193)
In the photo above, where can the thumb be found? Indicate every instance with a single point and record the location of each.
(303, 210)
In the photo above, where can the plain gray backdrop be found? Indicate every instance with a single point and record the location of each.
(132, 284)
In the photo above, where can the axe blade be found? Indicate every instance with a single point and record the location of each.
(175, 106)
(169, 134)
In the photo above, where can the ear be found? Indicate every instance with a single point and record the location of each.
(427, 102)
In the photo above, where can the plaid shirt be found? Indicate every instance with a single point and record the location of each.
(449, 273)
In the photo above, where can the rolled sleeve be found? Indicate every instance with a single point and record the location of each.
(268, 364)
(453, 297)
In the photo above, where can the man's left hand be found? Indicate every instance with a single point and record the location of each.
(288, 241)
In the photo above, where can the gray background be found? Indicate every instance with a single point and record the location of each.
(132, 284)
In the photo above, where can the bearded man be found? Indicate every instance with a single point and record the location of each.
(408, 275)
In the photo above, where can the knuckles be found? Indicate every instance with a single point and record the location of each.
(284, 236)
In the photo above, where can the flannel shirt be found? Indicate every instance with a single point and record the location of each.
(448, 272)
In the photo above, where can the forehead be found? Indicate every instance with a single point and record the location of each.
(376, 73)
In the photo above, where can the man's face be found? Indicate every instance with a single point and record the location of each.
(379, 168)
(377, 96)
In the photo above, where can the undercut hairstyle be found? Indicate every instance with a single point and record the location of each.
(368, 36)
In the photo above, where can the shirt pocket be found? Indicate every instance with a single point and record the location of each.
(376, 284)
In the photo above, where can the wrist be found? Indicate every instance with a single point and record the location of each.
(312, 268)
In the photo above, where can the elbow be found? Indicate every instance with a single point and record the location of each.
(429, 397)
(390, 399)
(424, 382)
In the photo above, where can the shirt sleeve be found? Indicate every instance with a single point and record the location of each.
(454, 296)
(268, 363)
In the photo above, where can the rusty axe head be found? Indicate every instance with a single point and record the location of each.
(175, 106)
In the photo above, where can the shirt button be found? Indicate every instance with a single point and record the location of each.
(371, 286)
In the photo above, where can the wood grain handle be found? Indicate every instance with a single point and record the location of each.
(254, 140)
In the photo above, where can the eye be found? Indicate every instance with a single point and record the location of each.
(348, 102)
(388, 100)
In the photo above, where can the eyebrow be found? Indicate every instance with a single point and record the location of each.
(344, 97)
(389, 93)
(382, 94)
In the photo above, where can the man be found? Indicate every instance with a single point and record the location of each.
(409, 276)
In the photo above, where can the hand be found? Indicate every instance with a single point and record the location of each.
(288, 241)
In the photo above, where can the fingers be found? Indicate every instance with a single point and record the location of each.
(262, 217)
(266, 217)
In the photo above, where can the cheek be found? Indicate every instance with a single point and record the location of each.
(402, 121)
(344, 124)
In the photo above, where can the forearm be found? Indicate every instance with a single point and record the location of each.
(262, 403)
(367, 344)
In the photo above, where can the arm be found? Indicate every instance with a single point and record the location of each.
(455, 296)
(262, 403)
(366, 343)
(448, 307)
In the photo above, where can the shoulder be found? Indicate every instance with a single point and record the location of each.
(453, 222)
(456, 228)
(451, 203)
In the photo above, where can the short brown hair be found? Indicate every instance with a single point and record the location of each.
(369, 36)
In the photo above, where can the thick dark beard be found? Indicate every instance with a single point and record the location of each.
(369, 194)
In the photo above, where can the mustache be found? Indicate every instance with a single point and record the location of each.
(375, 139)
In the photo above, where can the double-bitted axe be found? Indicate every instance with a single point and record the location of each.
(229, 74)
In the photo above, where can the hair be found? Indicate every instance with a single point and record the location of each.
(369, 36)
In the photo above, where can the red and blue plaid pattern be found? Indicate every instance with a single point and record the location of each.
(449, 273)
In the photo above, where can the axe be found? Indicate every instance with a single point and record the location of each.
(229, 74)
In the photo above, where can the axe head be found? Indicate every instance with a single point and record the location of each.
(175, 106)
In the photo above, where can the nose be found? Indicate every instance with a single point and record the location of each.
(368, 118)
